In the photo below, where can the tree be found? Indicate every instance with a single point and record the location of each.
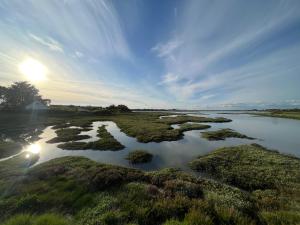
(19, 95)
(3, 91)
(119, 108)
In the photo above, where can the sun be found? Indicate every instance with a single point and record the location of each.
(33, 70)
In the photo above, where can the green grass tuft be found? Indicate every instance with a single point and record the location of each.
(139, 156)
(223, 134)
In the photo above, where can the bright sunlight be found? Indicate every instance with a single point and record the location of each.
(34, 148)
(33, 70)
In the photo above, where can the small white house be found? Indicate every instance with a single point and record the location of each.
(36, 105)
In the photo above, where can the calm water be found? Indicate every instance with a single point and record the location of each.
(274, 133)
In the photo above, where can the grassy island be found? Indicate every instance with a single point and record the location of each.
(193, 126)
(280, 113)
(223, 134)
(68, 134)
(139, 156)
(105, 142)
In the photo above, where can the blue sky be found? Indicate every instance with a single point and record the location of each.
(200, 54)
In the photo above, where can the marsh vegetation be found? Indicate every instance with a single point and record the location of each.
(222, 134)
(139, 156)
(247, 184)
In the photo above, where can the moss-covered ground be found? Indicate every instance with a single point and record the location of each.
(222, 134)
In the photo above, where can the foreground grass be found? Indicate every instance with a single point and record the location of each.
(84, 192)
(79, 191)
(106, 142)
(272, 179)
(139, 156)
(8, 148)
(222, 134)
(45, 219)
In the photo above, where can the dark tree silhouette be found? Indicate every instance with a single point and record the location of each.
(19, 95)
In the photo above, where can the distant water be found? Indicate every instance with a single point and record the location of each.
(275, 133)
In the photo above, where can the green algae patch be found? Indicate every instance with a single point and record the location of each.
(139, 156)
(223, 134)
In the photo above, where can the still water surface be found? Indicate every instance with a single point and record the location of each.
(274, 133)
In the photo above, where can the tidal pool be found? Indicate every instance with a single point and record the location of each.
(275, 133)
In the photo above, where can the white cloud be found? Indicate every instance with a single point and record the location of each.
(79, 54)
(166, 50)
(48, 42)
(169, 78)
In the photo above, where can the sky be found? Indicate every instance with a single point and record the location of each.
(191, 54)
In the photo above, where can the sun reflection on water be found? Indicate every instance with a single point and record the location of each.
(34, 148)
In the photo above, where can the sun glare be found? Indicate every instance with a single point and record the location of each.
(33, 70)
(34, 148)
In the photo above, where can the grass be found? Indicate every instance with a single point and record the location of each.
(84, 192)
(250, 167)
(196, 119)
(106, 142)
(8, 148)
(68, 134)
(290, 114)
(222, 134)
(272, 179)
(139, 156)
(45, 219)
(189, 126)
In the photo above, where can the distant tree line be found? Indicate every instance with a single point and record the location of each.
(19, 95)
(97, 110)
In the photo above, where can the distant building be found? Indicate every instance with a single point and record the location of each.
(36, 105)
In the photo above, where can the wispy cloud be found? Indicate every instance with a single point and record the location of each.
(167, 49)
(48, 42)
(193, 54)
(230, 43)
